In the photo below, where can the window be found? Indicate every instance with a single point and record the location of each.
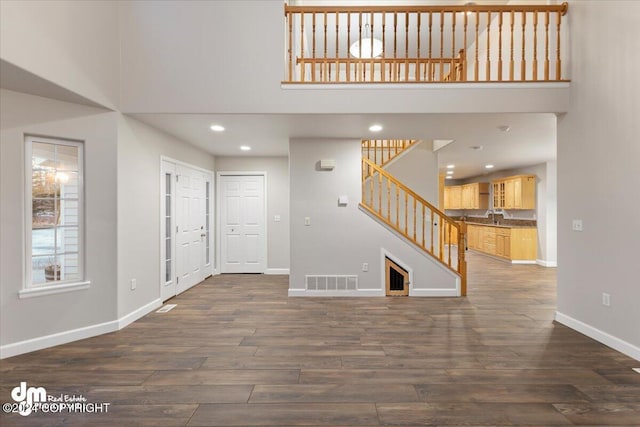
(55, 258)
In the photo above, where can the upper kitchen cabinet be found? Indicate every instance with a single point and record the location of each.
(515, 192)
(475, 196)
(468, 196)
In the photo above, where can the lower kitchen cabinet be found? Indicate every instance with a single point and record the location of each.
(513, 244)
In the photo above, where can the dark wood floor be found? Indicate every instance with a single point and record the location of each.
(236, 351)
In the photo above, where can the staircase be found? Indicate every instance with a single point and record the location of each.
(400, 208)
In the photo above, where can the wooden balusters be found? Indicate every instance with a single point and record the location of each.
(452, 65)
(313, 46)
(430, 63)
(499, 46)
(523, 62)
(302, 68)
(546, 45)
(511, 63)
(558, 57)
(314, 57)
(535, 46)
(488, 60)
(476, 65)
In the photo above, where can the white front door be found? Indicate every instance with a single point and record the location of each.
(242, 218)
(167, 230)
(186, 234)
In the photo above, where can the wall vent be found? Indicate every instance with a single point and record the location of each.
(331, 283)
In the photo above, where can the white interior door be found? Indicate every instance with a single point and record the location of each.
(242, 218)
(190, 221)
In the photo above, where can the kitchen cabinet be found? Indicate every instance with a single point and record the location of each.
(503, 243)
(467, 196)
(513, 244)
(475, 195)
(514, 192)
(450, 235)
(453, 197)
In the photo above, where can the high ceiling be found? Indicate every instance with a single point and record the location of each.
(531, 138)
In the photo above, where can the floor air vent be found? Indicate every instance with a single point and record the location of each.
(331, 283)
(166, 308)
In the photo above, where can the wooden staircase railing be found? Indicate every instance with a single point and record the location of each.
(424, 44)
(382, 151)
(396, 205)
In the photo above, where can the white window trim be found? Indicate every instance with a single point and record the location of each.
(29, 289)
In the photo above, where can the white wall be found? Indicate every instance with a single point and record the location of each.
(139, 149)
(598, 164)
(74, 44)
(340, 239)
(418, 170)
(277, 169)
(29, 318)
(175, 54)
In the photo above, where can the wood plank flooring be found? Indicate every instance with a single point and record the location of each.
(236, 351)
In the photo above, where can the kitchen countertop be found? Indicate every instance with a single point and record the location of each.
(498, 225)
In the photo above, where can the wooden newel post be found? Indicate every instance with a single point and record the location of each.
(462, 262)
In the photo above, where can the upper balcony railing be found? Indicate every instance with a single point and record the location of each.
(424, 44)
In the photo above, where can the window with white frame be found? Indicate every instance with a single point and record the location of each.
(54, 212)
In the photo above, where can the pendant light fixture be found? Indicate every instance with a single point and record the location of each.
(367, 47)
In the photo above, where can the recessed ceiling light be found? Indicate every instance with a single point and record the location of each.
(476, 147)
(504, 128)
(451, 166)
(217, 128)
(488, 166)
(449, 177)
(449, 172)
(245, 148)
(375, 128)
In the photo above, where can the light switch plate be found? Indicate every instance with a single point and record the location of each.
(307, 220)
(276, 218)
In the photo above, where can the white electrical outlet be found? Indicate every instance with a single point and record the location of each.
(276, 218)
(365, 266)
(606, 299)
(133, 284)
(576, 225)
(307, 220)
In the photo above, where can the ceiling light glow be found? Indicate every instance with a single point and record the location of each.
(245, 148)
(217, 128)
(375, 128)
(488, 166)
(451, 166)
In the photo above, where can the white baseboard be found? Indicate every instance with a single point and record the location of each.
(278, 271)
(59, 338)
(600, 336)
(138, 313)
(546, 263)
(360, 293)
(39, 343)
(433, 293)
(523, 261)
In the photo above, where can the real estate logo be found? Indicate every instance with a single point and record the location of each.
(36, 399)
(26, 397)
